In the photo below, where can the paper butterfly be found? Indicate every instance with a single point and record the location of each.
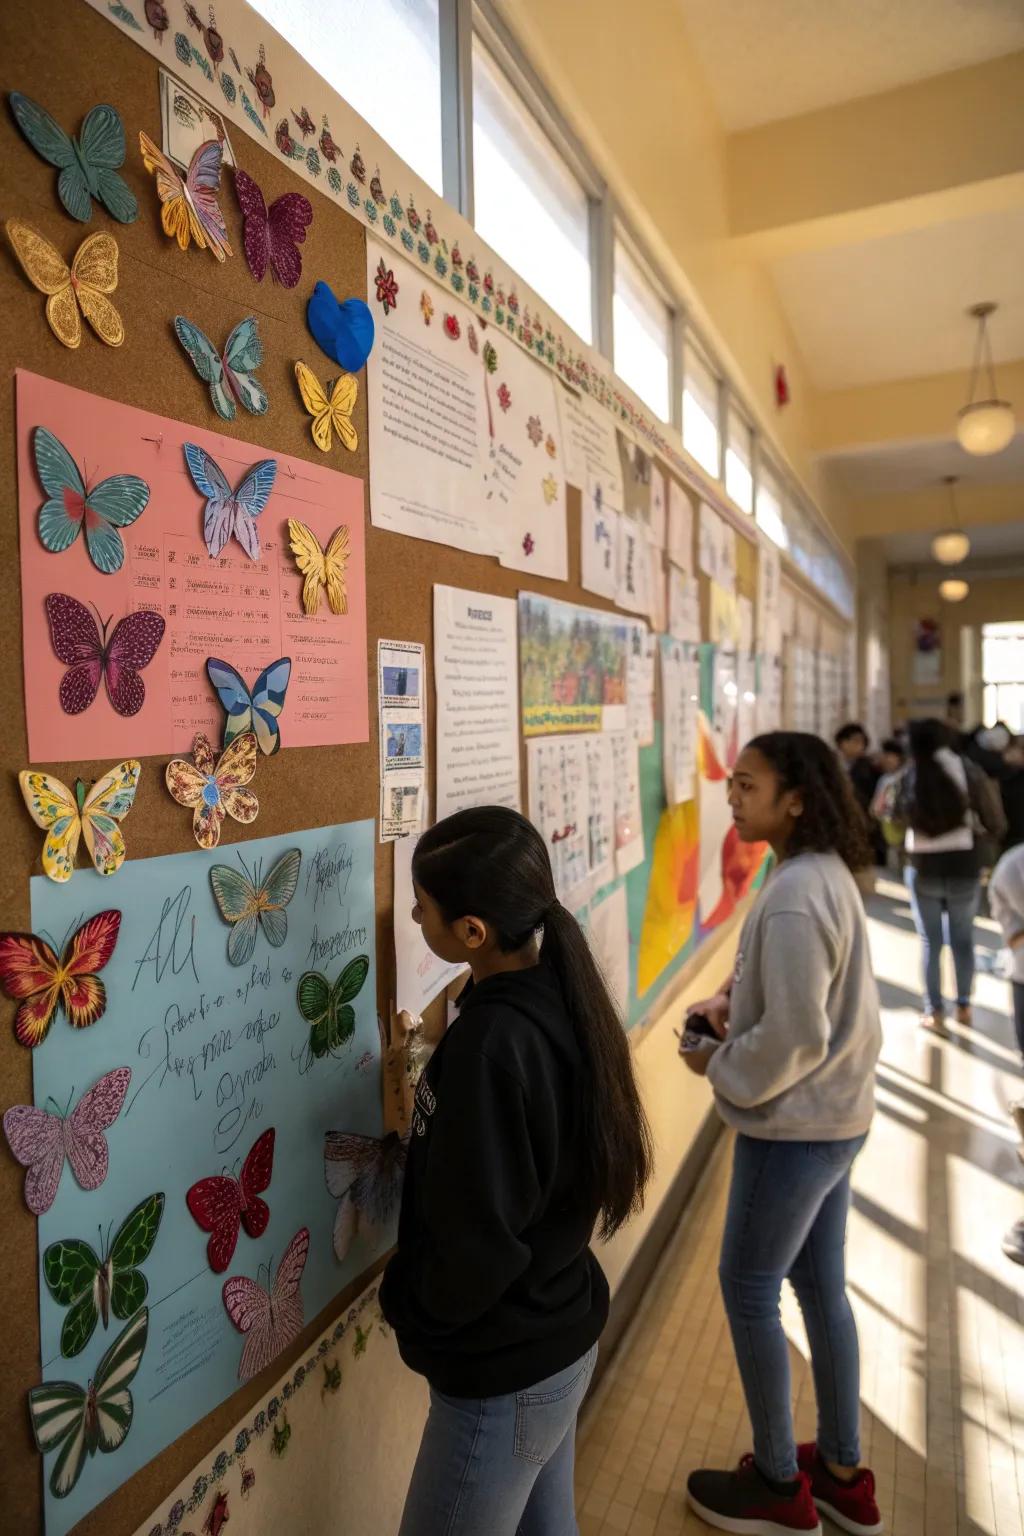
(344, 331)
(321, 568)
(94, 1286)
(95, 814)
(222, 1204)
(190, 210)
(31, 973)
(86, 1419)
(114, 503)
(272, 237)
(256, 709)
(272, 1319)
(331, 413)
(365, 1173)
(78, 643)
(81, 287)
(214, 786)
(249, 904)
(230, 512)
(326, 1008)
(231, 377)
(41, 1141)
(88, 165)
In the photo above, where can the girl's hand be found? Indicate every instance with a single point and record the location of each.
(716, 1010)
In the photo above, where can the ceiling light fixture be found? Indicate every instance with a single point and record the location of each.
(984, 426)
(952, 545)
(953, 590)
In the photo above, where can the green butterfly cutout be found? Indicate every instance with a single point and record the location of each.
(88, 164)
(94, 1287)
(325, 1008)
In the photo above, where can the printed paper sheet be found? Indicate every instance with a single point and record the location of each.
(590, 444)
(525, 471)
(573, 666)
(680, 526)
(419, 974)
(629, 820)
(607, 929)
(716, 548)
(572, 803)
(403, 737)
(769, 581)
(600, 539)
(683, 605)
(680, 704)
(643, 647)
(475, 679)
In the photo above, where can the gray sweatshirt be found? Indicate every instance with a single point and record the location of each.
(804, 1030)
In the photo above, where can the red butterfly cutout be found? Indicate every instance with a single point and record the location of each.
(40, 981)
(273, 236)
(221, 1203)
(90, 656)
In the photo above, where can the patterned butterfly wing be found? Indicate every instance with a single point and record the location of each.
(368, 1169)
(216, 1207)
(76, 642)
(248, 503)
(256, 238)
(344, 393)
(268, 698)
(132, 1245)
(107, 803)
(276, 893)
(234, 695)
(177, 215)
(336, 557)
(28, 973)
(93, 277)
(235, 769)
(236, 897)
(52, 805)
(114, 1374)
(207, 362)
(79, 1421)
(289, 218)
(49, 140)
(133, 645)
(254, 1179)
(102, 150)
(271, 1320)
(202, 183)
(57, 1410)
(37, 1140)
(309, 557)
(47, 271)
(112, 504)
(70, 1269)
(243, 353)
(61, 516)
(83, 1131)
(82, 992)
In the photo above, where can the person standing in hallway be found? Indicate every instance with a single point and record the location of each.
(793, 1073)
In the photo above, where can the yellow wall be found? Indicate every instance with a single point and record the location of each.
(990, 601)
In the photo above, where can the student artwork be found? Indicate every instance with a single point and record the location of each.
(326, 1006)
(82, 1420)
(272, 1318)
(189, 209)
(88, 164)
(41, 1141)
(230, 512)
(387, 287)
(80, 641)
(214, 787)
(72, 506)
(253, 709)
(40, 983)
(343, 330)
(80, 289)
(231, 374)
(94, 1286)
(363, 1173)
(222, 1205)
(273, 235)
(248, 903)
(94, 813)
(322, 568)
(331, 407)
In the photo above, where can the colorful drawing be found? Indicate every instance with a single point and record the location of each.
(89, 656)
(273, 235)
(41, 1141)
(88, 164)
(255, 709)
(387, 287)
(80, 289)
(230, 512)
(326, 1007)
(572, 666)
(250, 904)
(189, 210)
(92, 1286)
(671, 905)
(31, 973)
(222, 1205)
(94, 813)
(231, 376)
(73, 507)
(213, 786)
(364, 1174)
(321, 568)
(272, 1318)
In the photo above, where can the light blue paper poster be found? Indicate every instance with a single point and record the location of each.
(218, 1055)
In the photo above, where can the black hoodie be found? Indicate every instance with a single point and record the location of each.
(493, 1286)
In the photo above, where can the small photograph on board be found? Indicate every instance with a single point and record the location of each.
(188, 121)
(401, 682)
(403, 810)
(405, 741)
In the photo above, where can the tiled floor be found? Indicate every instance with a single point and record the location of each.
(940, 1309)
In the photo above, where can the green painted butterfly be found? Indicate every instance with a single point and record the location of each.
(94, 1287)
(249, 903)
(88, 165)
(86, 1419)
(325, 1007)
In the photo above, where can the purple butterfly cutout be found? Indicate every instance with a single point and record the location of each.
(230, 512)
(272, 236)
(90, 656)
(41, 1141)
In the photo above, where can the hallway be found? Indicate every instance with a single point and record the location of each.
(940, 1309)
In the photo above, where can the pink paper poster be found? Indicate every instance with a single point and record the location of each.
(246, 612)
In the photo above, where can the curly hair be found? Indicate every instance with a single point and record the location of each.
(832, 821)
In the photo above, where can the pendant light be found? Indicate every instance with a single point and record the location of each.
(952, 545)
(953, 590)
(987, 425)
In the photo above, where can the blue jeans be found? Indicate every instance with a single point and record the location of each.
(500, 1466)
(788, 1204)
(931, 896)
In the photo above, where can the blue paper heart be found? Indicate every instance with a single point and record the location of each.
(344, 331)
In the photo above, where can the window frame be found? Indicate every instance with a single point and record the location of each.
(735, 408)
(694, 341)
(623, 235)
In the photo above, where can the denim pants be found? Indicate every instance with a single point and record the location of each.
(788, 1204)
(931, 897)
(500, 1466)
(1018, 1014)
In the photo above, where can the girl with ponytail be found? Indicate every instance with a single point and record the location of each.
(527, 1133)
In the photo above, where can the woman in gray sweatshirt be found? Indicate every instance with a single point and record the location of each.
(793, 1072)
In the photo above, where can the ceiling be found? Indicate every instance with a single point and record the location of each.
(998, 545)
(894, 468)
(770, 59)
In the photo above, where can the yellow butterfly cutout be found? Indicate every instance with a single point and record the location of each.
(84, 286)
(94, 811)
(320, 567)
(334, 413)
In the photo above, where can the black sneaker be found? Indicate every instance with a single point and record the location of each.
(744, 1503)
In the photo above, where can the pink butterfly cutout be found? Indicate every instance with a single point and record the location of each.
(90, 656)
(41, 1141)
(273, 235)
(272, 1319)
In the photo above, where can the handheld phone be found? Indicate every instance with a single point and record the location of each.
(698, 1030)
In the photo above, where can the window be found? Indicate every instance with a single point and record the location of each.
(528, 204)
(739, 456)
(769, 505)
(1002, 674)
(384, 58)
(700, 408)
(642, 333)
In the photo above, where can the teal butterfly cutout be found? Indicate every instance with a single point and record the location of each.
(115, 503)
(249, 903)
(325, 1008)
(88, 165)
(93, 1287)
(93, 1418)
(231, 377)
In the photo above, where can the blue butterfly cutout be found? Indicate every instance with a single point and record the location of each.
(88, 165)
(230, 512)
(252, 709)
(344, 331)
(232, 376)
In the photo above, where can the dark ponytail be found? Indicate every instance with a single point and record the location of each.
(937, 804)
(492, 863)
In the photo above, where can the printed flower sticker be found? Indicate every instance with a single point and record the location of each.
(550, 446)
(426, 307)
(490, 358)
(549, 485)
(528, 544)
(534, 430)
(504, 396)
(213, 787)
(387, 287)
(471, 337)
(452, 328)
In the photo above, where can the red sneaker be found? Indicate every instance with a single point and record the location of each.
(742, 1502)
(852, 1505)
